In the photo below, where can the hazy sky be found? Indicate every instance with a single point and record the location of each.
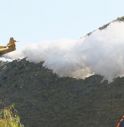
(38, 20)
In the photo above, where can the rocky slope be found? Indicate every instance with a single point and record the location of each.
(45, 100)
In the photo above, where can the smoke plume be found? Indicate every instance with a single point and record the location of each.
(101, 52)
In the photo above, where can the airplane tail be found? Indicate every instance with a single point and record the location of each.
(11, 43)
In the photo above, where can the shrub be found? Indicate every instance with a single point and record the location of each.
(9, 117)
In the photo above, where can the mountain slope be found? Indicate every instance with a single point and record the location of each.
(119, 19)
(45, 100)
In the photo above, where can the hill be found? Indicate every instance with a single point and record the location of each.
(43, 99)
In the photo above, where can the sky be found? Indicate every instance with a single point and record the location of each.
(39, 20)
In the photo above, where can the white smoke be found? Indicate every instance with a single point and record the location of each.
(100, 53)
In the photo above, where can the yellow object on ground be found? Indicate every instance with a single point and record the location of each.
(9, 118)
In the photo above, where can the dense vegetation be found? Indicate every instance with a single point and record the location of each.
(45, 100)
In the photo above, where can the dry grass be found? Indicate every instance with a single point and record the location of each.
(9, 117)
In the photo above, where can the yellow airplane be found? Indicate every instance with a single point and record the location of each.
(11, 46)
